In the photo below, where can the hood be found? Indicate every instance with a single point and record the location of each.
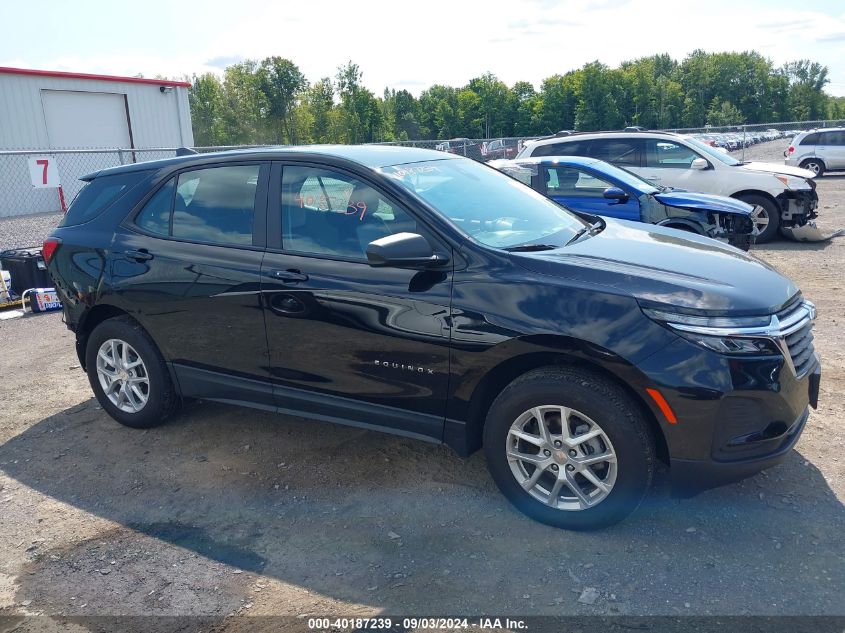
(704, 202)
(777, 168)
(668, 268)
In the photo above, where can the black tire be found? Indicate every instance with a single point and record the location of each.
(814, 164)
(162, 399)
(605, 403)
(771, 211)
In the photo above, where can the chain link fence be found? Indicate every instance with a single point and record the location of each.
(18, 196)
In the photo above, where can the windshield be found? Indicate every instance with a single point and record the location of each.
(487, 205)
(712, 152)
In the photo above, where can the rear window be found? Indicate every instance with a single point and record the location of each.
(98, 195)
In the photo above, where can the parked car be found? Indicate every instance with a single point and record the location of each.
(431, 296)
(502, 148)
(818, 150)
(781, 195)
(461, 147)
(594, 186)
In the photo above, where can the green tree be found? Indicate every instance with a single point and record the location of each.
(206, 100)
(281, 83)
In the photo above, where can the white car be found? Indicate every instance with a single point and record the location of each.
(782, 196)
(818, 150)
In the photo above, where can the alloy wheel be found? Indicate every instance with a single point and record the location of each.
(561, 457)
(123, 375)
(760, 218)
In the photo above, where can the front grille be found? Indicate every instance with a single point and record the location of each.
(796, 328)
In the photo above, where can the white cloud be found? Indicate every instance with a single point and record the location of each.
(412, 45)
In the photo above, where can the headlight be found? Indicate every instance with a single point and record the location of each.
(734, 336)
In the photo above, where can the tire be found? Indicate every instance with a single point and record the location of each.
(153, 387)
(815, 165)
(593, 401)
(768, 211)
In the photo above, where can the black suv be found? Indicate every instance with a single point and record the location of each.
(431, 296)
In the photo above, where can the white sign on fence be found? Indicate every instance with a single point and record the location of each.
(43, 172)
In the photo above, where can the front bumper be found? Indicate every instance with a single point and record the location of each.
(798, 207)
(691, 476)
(735, 416)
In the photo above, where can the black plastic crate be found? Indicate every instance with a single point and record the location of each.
(27, 269)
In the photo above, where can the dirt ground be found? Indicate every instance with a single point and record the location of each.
(232, 513)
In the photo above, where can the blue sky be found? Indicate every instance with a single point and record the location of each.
(411, 43)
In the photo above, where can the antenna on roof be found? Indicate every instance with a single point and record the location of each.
(186, 151)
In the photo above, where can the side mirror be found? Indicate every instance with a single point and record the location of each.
(403, 250)
(615, 193)
(699, 163)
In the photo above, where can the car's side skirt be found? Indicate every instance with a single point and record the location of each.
(195, 382)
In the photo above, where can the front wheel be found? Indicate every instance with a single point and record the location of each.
(128, 374)
(568, 448)
(765, 216)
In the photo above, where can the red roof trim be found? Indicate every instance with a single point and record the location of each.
(66, 75)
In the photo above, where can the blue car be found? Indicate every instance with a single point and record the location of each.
(594, 186)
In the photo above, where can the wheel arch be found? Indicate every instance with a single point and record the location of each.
(682, 224)
(756, 192)
(813, 158)
(501, 375)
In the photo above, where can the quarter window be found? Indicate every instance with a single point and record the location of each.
(810, 139)
(333, 214)
(666, 154)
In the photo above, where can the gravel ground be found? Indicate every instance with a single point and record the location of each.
(238, 513)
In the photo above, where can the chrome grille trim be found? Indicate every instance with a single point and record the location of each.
(798, 351)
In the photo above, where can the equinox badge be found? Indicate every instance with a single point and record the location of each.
(413, 368)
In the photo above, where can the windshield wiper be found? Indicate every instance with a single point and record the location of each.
(528, 248)
(592, 229)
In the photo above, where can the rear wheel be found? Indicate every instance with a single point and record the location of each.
(128, 374)
(814, 165)
(568, 448)
(766, 217)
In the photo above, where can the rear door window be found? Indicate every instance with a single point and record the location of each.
(215, 205)
(836, 138)
(618, 151)
(98, 195)
(572, 148)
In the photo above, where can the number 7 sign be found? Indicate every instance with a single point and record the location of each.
(43, 172)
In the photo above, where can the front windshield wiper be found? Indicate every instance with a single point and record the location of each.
(528, 248)
(592, 229)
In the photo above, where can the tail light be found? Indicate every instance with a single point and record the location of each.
(791, 149)
(49, 247)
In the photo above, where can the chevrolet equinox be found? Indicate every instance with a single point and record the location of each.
(424, 294)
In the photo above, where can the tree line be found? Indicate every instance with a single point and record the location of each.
(271, 101)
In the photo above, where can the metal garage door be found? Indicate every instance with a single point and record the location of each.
(85, 119)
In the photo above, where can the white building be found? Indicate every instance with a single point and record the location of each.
(46, 110)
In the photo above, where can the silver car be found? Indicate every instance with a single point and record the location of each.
(818, 150)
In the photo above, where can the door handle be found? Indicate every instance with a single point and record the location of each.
(141, 255)
(290, 276)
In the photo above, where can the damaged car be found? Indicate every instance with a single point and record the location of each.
(784, 197)
(593, 186)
